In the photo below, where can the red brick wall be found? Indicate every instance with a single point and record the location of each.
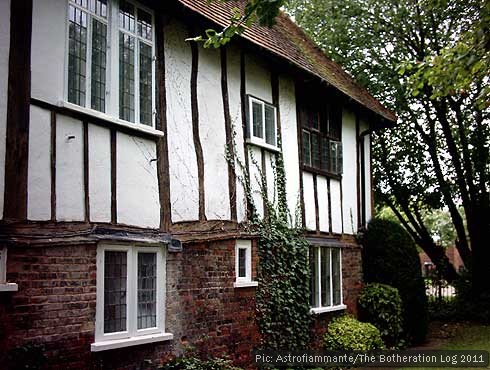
(55, 306)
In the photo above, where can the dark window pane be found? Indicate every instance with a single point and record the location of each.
(147, 290)
(325, 277)
(313, 119)
(126, 77)
(325, 151)
(242, 262)
(146, 78)
(144, 25)
(77, 56)
(314, 288)
(270, 125)
(335, 121)
(336, 157)
(306, 148)
(315, 150)
(115, 278)
(99, 59)
(336, 273)
(99, 7)
(126, 16)
(257, 120)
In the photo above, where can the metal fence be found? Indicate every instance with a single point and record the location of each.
(436, 287)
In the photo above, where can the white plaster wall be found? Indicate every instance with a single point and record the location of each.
(336, 206)
(255, 165)
(39, 165)
(70, 196)
(184, 190)
(138, 201)
(4, 68)
(322, 189)
(309, 200)
(48, 49)
(349, 177)
(212, 134)
(233, 69)
(270, 161)
(99, 161)
(258, 78)
(287, 108)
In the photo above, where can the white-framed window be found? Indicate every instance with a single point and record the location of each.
(4, 286)
(326, 279)
(262, 123)
(130, 307)
(243, 264)
(111, 59)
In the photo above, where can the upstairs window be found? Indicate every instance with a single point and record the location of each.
(119, 34)
(321, 136)
(262, 123)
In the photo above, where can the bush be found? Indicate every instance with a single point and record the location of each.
(194, 363)
(381, 305)
(390, 257)
(346, 333)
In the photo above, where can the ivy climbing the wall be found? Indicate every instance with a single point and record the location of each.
(283, 309)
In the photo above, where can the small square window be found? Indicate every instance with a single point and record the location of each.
(262, 123)
(243, 264)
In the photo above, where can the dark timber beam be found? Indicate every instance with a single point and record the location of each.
(19, 93)
(195, 130)
(162, 143)
(229, 136)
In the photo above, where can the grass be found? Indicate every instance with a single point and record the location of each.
(471, 337)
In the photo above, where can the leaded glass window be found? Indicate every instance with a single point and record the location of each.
(147, 285)
(115, 291)
(87, 53)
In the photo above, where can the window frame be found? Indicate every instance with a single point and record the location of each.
(4, 285)
(261, 141)
(332, 307)
(132, 331)
(112, 93)
(244, 281)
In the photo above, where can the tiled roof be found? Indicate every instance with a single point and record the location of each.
(289, 41)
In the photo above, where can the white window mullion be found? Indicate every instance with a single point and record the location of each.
(88, 78)
(136, 73)
(132, 296)
(319, 276)
(113, 85)
(263, 122)
(331, 277)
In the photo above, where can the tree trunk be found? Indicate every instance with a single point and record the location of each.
(479, 231)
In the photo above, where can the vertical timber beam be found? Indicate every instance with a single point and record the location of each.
(229, 136)
(195, 131)
(163, 169)
(19, 93)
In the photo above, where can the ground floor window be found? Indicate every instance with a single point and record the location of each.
(326, 278)
(130, 292)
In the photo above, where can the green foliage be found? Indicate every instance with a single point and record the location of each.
(390, 257)
(194, 363)
(282, 300)
(27, 357)
(381, 305)
(262, 11)
(346, 333)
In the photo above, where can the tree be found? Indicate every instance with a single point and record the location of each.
(428, 61)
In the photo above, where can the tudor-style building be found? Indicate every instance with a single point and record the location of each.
(121, 231)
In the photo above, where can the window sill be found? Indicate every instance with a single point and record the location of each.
(119, 122)
(128, 342)
(262, 144)
(245, 284)
(9, 287)
(319, 310)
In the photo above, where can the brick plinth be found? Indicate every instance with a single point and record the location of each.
(55, 306)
